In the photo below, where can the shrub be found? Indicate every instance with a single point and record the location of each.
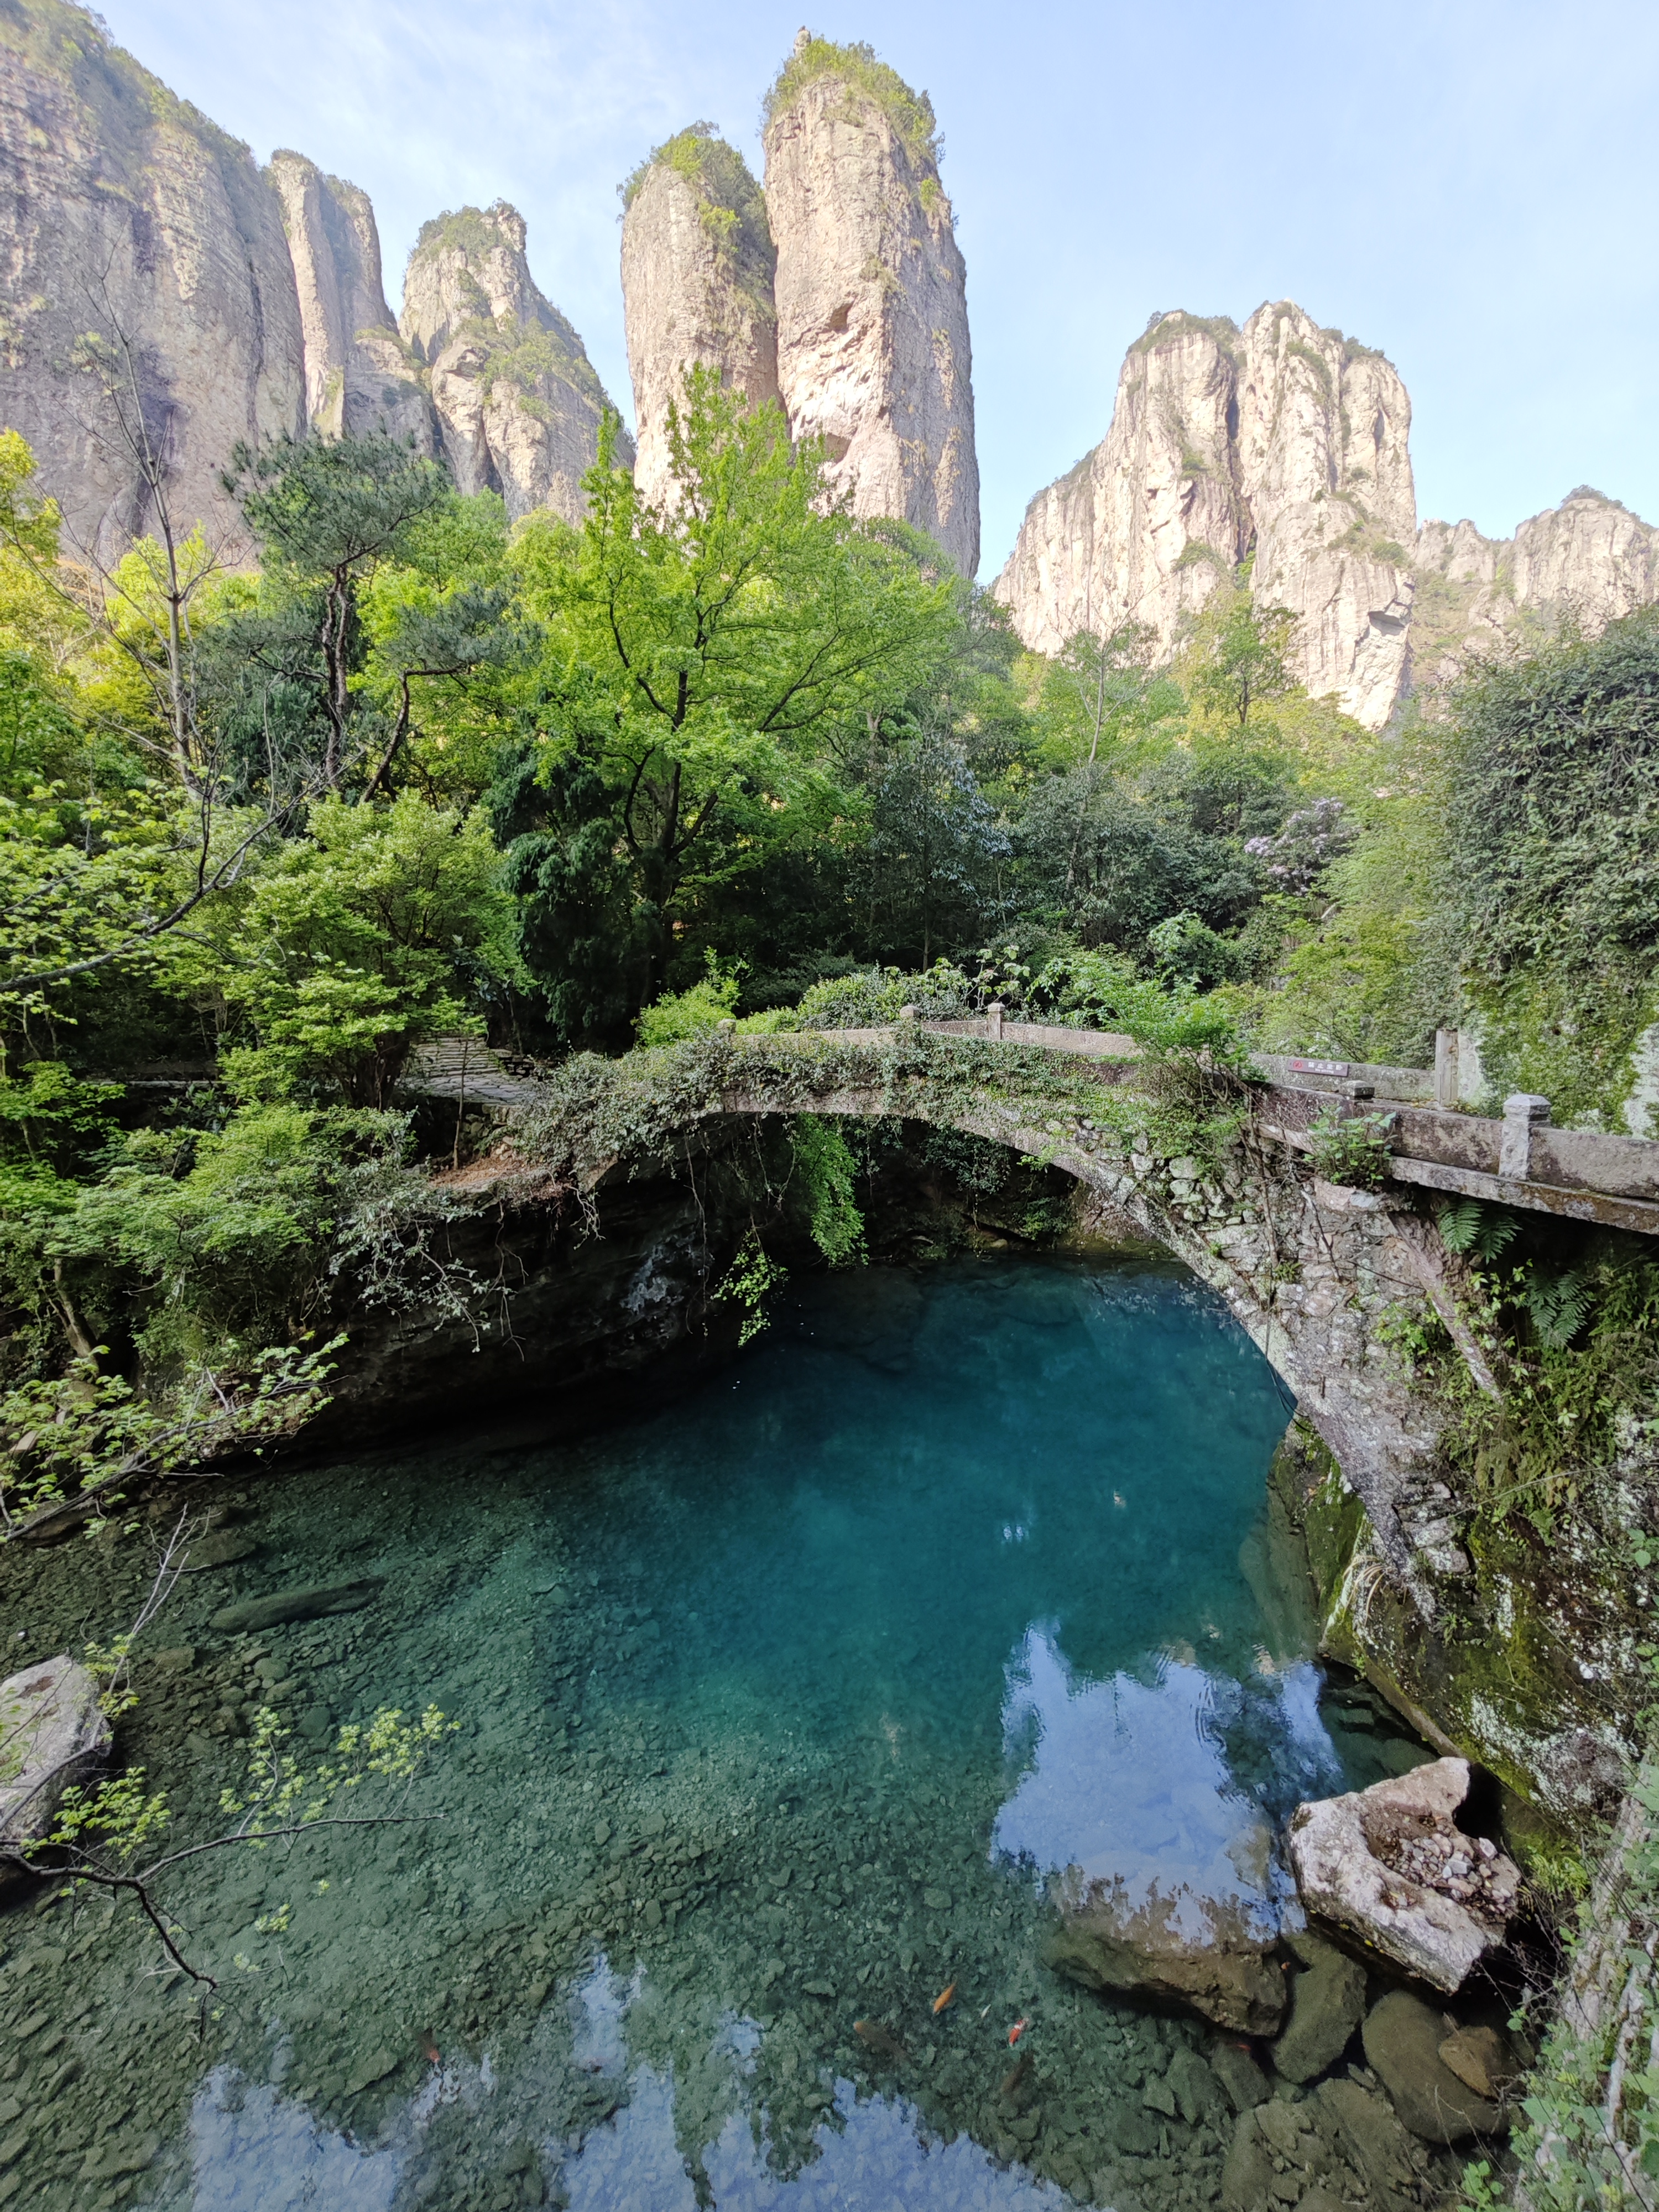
(678, 1015)
(1352, 1149)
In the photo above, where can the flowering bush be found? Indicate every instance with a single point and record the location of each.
(1310, 839)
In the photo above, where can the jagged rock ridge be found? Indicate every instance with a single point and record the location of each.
(1283, 438)
(698, 264)
(1589, 559)
(873, 354)
(126, 213)
(517, 401)
(359, 375)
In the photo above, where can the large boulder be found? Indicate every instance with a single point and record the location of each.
(1404, 2042)
(1387, 1865)
(1204, 1951)
(1328, 2002)
(52, 1734)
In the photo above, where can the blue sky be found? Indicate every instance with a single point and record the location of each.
(1469, 185)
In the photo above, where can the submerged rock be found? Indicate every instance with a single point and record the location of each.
(1204, 1952)
(1481, 2060)
(1364, 2133)
(1403, 2040)
(310, 1602)
(1328, 2002)
(52, 1734)
(1246, 2085)
(1387, 1864)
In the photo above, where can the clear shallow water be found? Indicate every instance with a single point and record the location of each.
(778, 1707)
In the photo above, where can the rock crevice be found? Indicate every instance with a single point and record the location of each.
(359, 375)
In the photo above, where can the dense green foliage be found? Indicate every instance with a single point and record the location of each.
(1552, 848)
(1502, 876)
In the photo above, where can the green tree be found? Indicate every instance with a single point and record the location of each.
(701, 661)
(1552, 866)
(327, 512)
(1239, 656)
(369, 934)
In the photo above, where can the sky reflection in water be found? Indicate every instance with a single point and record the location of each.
(1130, 1781)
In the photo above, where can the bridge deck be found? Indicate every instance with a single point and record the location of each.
(1580, 1175)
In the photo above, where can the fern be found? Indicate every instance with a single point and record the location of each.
(1559, 1305)
(1468, 1225)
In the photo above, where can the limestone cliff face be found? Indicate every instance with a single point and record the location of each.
(1590, 558)
(1282, 437)
(518, 402)
(359, 375)
(125, 212)
(697, 263)
(1324, 466)
(873, 316)
(1142, 528)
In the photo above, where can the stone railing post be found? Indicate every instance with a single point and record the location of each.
(1445, 1068)
(1523, 1112)
(994, 1020)
(907, 1013)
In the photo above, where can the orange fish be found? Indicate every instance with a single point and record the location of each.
(943, 1998)
(1017, 2030)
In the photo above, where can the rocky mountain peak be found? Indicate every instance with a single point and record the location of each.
(1283, 438)
(697, 266)
(468, 266)
(518, 404)
(1324, 461)
(1588, 561)
(873, 354)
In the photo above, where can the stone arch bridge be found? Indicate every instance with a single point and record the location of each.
(1506, 1648)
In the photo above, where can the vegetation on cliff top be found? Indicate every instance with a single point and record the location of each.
(732, 209)
(911, 113)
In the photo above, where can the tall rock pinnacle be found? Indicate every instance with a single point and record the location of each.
(517, 401)
(873, 355)
(697, 261)
(128, 216)
(1283, 438)
(359, 375)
